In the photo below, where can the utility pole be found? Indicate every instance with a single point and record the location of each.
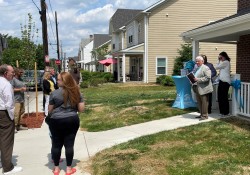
(61, 56)
(57, 42)
(44, 33)
(64, 65)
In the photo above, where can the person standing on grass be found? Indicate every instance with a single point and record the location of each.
(224, 83)
(213, 74)
(64, 105)
(19, 89)
(7, 124)
(202, 87)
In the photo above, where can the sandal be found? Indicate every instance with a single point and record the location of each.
(56, 173)
(73, 170)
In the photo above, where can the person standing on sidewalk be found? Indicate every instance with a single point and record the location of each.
(19, 89)
(64, 122)
(48, 87)
(225, 81)
(202, 87)
(213, 74)
(7, 124)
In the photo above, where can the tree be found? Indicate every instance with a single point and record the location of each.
(99, 53)
(28, 32)
(13, 52)
(185, 55)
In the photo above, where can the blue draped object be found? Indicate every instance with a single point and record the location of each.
(184, 98)
(236, 85)
(189, 65)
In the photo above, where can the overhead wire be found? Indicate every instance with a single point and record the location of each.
(52, 30)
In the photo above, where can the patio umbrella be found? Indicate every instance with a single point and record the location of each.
(108, 61)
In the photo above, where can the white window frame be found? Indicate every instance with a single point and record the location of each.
(156, 65)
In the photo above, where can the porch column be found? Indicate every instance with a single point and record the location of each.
(195, 45)
(118, 69)
(144, 69)
(123, 68)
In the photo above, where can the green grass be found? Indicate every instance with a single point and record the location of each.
(213, 148)
(115, 105)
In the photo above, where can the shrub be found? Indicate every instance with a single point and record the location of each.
(108, 76)
(84, 84)
(96, 81)
(86, 75)
(165, 80)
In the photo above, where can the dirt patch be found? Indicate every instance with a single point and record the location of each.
(98, 108)
(146, 101)
(33, 120)
(129, 84)
(134, 108)
(149, 165)
(168, 144)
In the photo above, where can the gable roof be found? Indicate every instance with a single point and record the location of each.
(155, 5)
(120, 18)
(100, 39)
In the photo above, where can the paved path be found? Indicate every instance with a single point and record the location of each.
(32, 147)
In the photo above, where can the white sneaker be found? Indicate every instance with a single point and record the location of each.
(16, 169)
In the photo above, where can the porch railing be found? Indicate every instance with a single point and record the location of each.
(243, 99)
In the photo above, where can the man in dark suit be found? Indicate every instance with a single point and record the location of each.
(53, 77)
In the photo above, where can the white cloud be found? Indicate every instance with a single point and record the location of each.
(76, 19)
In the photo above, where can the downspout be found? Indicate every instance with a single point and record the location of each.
(146, 48)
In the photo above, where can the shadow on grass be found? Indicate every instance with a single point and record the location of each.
(240, 122)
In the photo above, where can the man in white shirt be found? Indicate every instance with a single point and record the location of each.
(7, 124)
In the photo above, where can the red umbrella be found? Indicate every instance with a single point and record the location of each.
(108, 61)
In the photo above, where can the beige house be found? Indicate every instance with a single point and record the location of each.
(146, 45)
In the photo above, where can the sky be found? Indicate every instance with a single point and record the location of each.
(76, 19)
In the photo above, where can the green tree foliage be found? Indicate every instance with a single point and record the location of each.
(99, 53)
(24, 50)
(39, 57)
(185, 54)
(28, 47)
(13, 52)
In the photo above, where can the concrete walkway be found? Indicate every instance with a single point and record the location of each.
(32, 147)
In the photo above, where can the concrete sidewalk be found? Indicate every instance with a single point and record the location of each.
(32, 147)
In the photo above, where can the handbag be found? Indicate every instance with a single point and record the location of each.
(47, 118)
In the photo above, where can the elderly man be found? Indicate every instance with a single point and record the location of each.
(202, 87)
(7, 124)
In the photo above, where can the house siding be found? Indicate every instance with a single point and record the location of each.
(141, 33)
(170, 19)
(243, 58)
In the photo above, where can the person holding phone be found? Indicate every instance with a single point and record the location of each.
(224, 83)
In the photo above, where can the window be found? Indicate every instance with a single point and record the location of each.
(130, 39)
(161, 66)
(113, 46)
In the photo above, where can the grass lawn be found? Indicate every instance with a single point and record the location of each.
(219, 147)
(115, 105)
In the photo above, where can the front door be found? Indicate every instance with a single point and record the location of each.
(136, 69)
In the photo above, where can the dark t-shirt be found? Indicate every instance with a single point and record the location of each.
(60, 111)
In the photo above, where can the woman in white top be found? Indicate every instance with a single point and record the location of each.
(224, 83)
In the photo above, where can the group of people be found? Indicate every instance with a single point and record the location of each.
(204, 73)
(63, 101)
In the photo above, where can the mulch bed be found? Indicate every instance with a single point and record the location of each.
(30, 120)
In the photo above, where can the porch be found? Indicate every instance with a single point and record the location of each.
(232, 30)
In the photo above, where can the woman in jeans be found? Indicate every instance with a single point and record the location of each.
(64, 105)
(225, 81)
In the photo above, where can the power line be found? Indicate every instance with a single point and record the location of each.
(51, 9)
(36, 5)
(51, 26)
